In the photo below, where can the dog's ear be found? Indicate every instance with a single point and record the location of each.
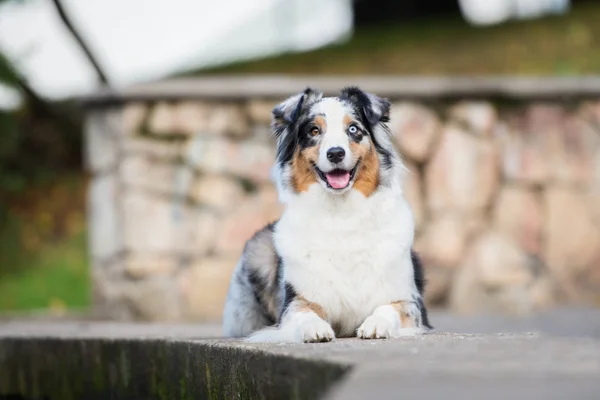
(288, 112)
(375, 109)
(285, 116)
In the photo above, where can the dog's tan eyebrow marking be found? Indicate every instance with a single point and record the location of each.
(348, 120)
(320, 122)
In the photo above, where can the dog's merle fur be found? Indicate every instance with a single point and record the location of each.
(277, 293)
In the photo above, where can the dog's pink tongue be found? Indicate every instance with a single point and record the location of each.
(338, 179)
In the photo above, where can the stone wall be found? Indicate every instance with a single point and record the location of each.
(505, 190)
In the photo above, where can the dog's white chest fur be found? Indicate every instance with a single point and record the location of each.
(348, 254)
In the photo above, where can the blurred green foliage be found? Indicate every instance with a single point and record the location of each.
(38, 140)
(9, 145)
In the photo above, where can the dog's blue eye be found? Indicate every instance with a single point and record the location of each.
(353, 129)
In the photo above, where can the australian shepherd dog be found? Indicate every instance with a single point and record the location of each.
(339, 262)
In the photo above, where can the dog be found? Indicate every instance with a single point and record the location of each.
(340, 261)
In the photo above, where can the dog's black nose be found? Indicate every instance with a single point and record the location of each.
(335, 154)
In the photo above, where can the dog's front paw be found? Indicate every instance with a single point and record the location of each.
(314, 329)
(376, 327)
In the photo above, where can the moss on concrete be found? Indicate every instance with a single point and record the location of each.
(68, 369)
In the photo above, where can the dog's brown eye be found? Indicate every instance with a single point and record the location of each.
(315, 131)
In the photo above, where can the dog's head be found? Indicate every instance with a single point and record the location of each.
(340, 143)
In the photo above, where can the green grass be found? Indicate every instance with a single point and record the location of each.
(43, 248)
(55, 278)
(562, 45)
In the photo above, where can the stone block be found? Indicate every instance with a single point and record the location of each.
(572, 249)
(478, 117)
(518, 215)
(102, 134)
(162, 119)
(219, 192)
(262, 133)
(575, 152)
(267, 194)
(438, 284)
(148, 173)
(260, 111)
(444, 239)
(169, 151)
(523, 158)
(156, 225)
(249, 217)
(246, 159)
(462, 174)
(497, 276)
(155, 299)
(147, 265)
(134, 115)
(105, 218)
(442, 245)
(106, 298)
(230, 120)
(527, 143)
(593, 190)
(589, 111)
(415, 128)
(204, 287)
(413, 193)
(593, 202)
(191, 117)
(188, 118)
(547, 144)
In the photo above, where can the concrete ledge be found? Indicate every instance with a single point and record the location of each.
(65, 369)
(279, 86)
(141, 361)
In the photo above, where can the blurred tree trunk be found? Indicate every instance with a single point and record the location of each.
(69, 25)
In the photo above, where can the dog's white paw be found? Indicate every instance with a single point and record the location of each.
(376, 327)
(385, 322)
(314, 329)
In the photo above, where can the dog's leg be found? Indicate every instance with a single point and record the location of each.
(307, 320)
(399, 318)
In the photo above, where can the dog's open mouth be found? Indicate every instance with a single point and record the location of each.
(338, 178)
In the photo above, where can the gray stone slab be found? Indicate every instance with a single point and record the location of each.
(106, 330)
(277, 86)
(564, 321)
(552, 355)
